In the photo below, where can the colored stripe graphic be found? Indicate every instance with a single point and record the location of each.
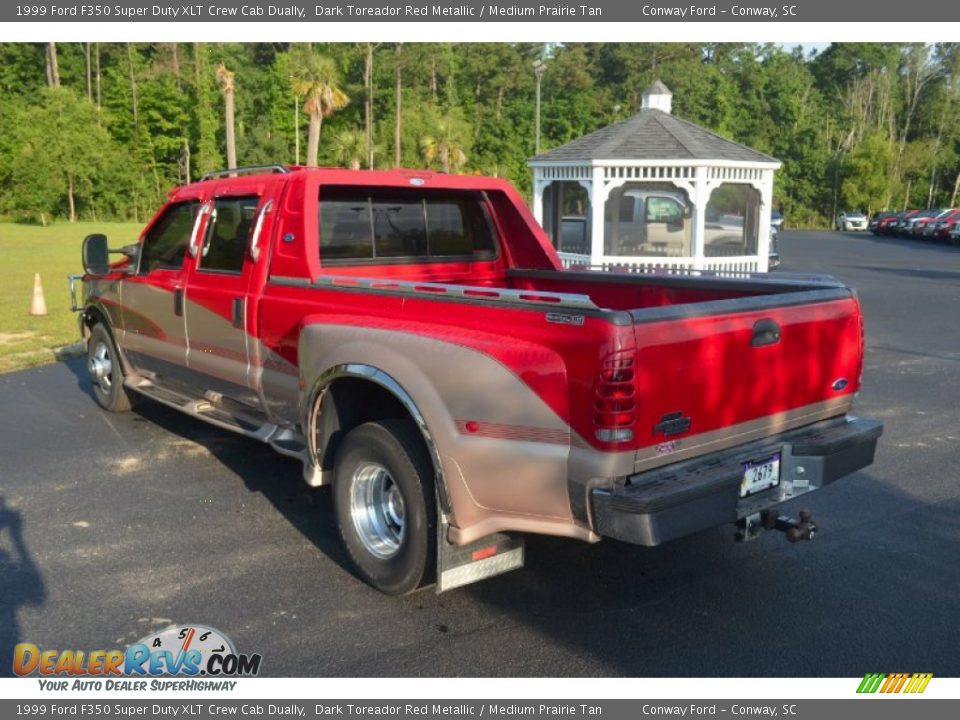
(894, 683)
(870, 683)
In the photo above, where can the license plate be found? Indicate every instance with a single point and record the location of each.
(759, 476)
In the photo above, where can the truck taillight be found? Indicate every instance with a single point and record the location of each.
(615, 402)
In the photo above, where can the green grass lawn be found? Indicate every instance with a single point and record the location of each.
(54, 252)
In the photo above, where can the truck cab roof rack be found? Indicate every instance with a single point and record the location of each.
(245, 170)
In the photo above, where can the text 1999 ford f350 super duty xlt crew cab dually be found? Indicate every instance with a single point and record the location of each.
(412, 339)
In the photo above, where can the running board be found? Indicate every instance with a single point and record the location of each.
(459, 565)
(284, 440)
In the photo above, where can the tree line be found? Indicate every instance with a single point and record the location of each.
(103, 130)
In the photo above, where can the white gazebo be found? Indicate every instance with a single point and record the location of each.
(656, 192)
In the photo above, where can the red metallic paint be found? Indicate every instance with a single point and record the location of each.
(703, 367)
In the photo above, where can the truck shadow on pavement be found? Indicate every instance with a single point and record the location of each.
(276, 477)
(21, 583)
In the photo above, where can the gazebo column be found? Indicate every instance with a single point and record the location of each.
(766, 206)
(701, 196)
(598, 200)
(539, 185)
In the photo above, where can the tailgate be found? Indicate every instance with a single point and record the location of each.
(715, 375)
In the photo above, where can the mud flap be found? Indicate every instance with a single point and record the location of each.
(459, 565)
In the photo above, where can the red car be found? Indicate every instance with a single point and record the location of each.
(940, 229)
(921, 225)
(413, 340)
(888, 225)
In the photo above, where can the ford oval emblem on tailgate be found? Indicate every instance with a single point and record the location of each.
(840, 383)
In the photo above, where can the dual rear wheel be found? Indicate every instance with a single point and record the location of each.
(383, 500)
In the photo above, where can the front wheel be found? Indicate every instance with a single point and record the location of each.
(384, 503)
(106, 374)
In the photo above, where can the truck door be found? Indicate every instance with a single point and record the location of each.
(152, 331)
(218, 299)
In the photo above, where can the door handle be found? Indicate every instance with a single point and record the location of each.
(238, 308)
(765, 332)
(178, 302)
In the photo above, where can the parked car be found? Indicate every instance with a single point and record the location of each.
(773, 261)
(908, 228)
(776, 219)
(953, 234)
(877, 218)
(939, 227)
(903, 219)
(914, 227)
(887, 225)
(412, 339)
(850, 221)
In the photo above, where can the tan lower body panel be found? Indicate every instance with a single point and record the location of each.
(686, 448)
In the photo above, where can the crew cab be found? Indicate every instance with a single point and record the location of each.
(413, 341)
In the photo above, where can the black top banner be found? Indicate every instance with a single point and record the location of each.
(485, 11)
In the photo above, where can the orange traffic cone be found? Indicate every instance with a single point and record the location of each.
(38, 306)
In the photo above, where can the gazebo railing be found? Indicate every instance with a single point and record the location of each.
(673, 265)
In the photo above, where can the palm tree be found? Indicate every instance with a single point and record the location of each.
(448, 141)
(225, 78)
(348, 147)
(53, 68)
(315, 78)
(398, 100)
(368, 100)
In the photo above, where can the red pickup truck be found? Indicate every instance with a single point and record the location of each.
(411, 338)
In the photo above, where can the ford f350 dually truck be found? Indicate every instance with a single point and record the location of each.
(412, 339)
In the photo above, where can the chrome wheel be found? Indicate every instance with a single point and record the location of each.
(377, 509)
(100, 366)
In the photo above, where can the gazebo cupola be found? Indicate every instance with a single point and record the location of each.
(657, 97)
(656, 191)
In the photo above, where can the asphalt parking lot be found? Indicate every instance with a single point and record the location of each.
(115, 525)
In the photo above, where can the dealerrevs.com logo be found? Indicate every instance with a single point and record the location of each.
(178, 650)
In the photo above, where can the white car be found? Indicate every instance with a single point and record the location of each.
(849, 221)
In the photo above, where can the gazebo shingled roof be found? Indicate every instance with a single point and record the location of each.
(653, 135)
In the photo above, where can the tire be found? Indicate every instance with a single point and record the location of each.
(106, 372)
(384, 503)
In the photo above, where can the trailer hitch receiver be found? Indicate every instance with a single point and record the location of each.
(803, 528)
(795, 530)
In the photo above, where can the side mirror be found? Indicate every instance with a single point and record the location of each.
(96, 255)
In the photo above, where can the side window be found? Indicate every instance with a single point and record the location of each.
(165, 244)
(458, 227)
(664, 210)
(627, 203)
(228, 232)
(399, 230)
(345, 230)
(363, 224)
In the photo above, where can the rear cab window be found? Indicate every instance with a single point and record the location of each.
(385, 225)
